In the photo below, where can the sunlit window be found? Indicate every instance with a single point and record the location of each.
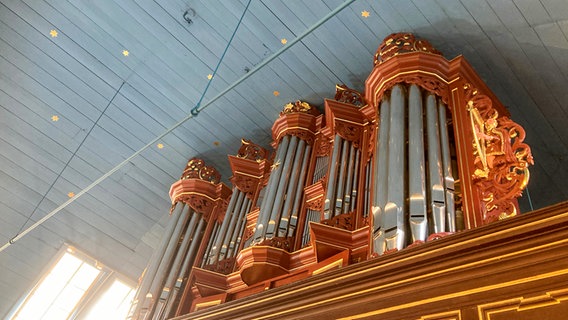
(77, 287)
(113, 304)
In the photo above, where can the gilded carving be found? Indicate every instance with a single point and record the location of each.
(297, 106)
(501, 158)
(348, 95)
(252, 151)
(399, 43)
(196, 169)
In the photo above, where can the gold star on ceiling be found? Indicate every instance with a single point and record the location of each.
(209, 76)
(71, 194)
(365, 14)
(284, 41)
(276, 93)
(53, 33)
(160, 146)
(216, 143)
(54, 118)
(125, 53)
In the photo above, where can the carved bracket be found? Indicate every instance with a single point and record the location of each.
(501, 158)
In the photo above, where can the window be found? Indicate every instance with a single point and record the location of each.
(77, 287)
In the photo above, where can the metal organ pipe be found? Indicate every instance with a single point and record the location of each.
(226, 237)
(187, 262)
(177, 263)
(273, 180)
(233, 233)
(414, 185)
(219, 241)
(355, 180)
(282, 186)
(341, 179)
(381, 166)
(417, 180)
(142, 299)
(331, 182)
(285, 213)
(349, 182)
(239, 232)
(168, 255)
(395, 208)
(447, 169)
(293, 219)
(207, 254)
(437, 203)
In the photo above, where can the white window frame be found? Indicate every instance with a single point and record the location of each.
(100, 284)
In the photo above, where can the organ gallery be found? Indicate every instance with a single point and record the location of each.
(399, 202)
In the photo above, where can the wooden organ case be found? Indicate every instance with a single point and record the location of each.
(396, 203)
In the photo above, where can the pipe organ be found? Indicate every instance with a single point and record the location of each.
(426, 152)
(414, 185)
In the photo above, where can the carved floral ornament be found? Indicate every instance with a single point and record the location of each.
(350, 132)
(298, 106)
(501, 158)
(426, 81)
(252, 151)
(196, 169)
(399, 43)
(348, 95)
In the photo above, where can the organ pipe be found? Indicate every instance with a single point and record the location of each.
(437, 202)
(264, 216)
(290, 198)
(394, 212)
(447, 169)
(281, 187)
(416, 165)
(327, 210)
(292, 221)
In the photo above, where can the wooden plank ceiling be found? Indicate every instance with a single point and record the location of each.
(84, 84)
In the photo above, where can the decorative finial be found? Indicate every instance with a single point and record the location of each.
(399, 43)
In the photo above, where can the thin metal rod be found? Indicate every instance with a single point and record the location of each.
(182, 121)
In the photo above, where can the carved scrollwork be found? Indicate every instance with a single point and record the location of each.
(501, 158)
(398, 43)
(323, 146)
(342, 221)
(350, 132)
(196, 169)
(315, 204)
(198, 202)
(284, 243)
(245, 183)
(305, 135)
(224, 266)
(252, 151)
(425, 81)
(297, 106)
(348, 95)
(249, 232)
